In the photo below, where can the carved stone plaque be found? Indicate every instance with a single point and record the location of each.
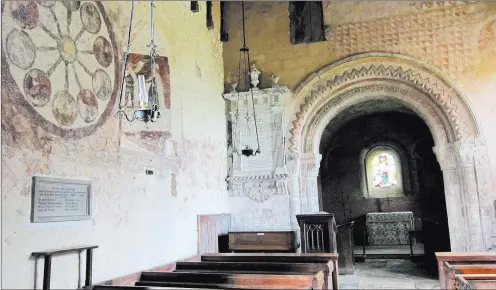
(266, 132)
(60, 199)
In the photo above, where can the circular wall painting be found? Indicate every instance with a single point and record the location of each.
(62, 63)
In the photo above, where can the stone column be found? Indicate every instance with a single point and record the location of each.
(446, 156)
(292, 166)
(310, 164)
(469, 196)
(479, 198)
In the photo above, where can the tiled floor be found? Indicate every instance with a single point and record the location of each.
(388, 274)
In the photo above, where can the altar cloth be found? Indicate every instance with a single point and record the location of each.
(389, 228)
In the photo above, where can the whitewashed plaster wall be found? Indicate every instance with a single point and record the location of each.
(138, 221)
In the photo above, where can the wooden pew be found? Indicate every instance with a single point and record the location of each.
(475, 281)
(282, 269)
(458, 258)
(329, 261)
(231, 280)
(118, 287)
(451, 271)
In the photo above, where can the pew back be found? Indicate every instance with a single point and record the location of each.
(315, 281)
(329, 260)
(475, 281)
(459, 258)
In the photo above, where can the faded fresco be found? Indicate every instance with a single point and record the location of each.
(59, 63)
(61, 66)
(154, 139)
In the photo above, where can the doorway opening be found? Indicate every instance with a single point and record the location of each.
(379, 171)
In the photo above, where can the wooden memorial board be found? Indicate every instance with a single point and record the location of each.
(60, 199)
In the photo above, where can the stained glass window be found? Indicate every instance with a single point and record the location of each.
(383, 169)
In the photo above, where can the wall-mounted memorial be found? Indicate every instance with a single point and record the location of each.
(60, 199)
(258, 184)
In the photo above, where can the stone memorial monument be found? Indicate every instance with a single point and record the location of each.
(255, 180)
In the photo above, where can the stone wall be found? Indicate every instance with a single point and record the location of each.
(455, 39)
(138, 221)
(341, 168)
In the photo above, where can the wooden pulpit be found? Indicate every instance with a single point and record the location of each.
(318, 232)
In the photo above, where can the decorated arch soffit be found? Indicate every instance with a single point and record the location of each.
(379, 76)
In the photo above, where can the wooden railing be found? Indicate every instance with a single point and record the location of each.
(48, 262)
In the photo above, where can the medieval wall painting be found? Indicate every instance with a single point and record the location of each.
(140, 64)
(61, 63)
(150, 137)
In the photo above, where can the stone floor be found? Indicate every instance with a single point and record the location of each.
(418, 249)
(388, 274)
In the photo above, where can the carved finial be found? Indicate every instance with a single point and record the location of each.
(254, 74)
(275, 81)
(233, 80)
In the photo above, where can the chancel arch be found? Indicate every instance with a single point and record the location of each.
(459, 146)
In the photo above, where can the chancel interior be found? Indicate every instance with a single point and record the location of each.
(248, 145)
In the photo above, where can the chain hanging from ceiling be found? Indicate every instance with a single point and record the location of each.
(244, 71)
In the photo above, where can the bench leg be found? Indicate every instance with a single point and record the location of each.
(89, 264)
(47, 271)
(335, 273)
(442, 277)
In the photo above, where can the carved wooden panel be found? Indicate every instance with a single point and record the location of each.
(210, 227)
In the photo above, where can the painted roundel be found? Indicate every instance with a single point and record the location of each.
(61, 56)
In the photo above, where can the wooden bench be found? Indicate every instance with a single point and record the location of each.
(231, 280)
(329, 261)
(450, 271)
(475, 281)
(118, 287)
(461, 258)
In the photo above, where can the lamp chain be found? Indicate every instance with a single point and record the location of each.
(153, 55)
(120, 111)
(244, 56)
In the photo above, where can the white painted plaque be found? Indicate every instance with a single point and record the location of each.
(60, 199)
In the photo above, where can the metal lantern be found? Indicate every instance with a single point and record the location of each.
(148, 109)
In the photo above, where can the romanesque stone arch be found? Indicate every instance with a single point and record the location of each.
(459, 146)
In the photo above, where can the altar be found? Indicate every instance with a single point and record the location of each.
(389, 228)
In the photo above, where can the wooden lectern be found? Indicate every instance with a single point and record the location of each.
(318, 232)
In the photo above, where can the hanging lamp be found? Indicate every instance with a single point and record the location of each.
(244, 71)
(148, 105)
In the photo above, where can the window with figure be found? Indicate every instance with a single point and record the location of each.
(383, 172)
